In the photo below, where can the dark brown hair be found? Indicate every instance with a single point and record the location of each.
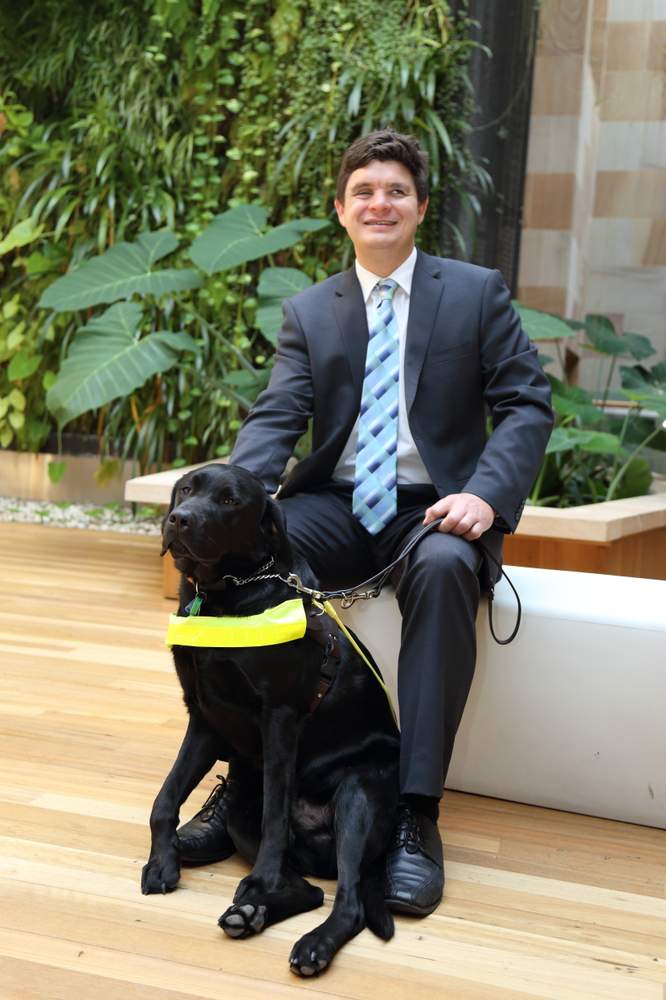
(385, 145)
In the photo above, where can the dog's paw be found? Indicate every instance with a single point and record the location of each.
(243, 921)
(311, 955)
(161, 874)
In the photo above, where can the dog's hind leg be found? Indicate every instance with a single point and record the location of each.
(272, 891)
(364, 815)
(198, 752)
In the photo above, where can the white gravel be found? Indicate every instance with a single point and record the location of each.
(100, 517)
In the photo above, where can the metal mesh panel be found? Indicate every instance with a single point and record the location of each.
(498, 140)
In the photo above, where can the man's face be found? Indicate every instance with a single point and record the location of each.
(380, 210)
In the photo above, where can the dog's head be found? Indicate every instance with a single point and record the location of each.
(222, 514)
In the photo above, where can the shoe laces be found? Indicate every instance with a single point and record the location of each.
(210, 805)
(408, 832)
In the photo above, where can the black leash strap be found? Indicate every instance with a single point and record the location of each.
(491, 598)
(347, 597)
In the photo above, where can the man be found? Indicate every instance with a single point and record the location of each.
(397, 361)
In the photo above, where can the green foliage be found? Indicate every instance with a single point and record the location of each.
(124, 270)
(106, 360)
(593, 455)
(239, 236)
(112, 355)
(120, 119)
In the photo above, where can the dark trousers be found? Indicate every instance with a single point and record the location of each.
(438, 595)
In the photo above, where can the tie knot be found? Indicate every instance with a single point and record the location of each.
(385, 289)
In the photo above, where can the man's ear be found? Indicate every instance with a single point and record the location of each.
(274, 529)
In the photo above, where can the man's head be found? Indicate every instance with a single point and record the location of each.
(382, 196)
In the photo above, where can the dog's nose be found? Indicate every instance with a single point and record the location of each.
(178, 519)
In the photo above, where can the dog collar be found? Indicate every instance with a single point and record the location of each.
(283, 623)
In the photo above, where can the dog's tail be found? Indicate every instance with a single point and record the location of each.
(378, 919)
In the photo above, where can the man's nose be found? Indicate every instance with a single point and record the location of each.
(379, 200)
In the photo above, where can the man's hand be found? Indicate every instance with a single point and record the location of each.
(464, 514)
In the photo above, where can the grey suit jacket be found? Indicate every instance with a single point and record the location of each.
(466, 354)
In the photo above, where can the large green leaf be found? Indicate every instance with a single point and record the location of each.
(602, 336)
(638, 345)
(542, 325)
(122, 271)
(275, 285)
(572, 401)
(106, 361)
(281, 282)
(237, 236)
(573, 439)
(635, 481)
(646, 386)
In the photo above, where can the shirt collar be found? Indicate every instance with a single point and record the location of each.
(403, 275)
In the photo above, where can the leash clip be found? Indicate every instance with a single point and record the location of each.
(294, 580)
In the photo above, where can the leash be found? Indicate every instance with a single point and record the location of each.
(322, 601)
(349, 596)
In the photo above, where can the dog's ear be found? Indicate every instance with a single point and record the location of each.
(274, 529)
(172, 503)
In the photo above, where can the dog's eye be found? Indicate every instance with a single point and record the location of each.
(185, 490)
(229, 500)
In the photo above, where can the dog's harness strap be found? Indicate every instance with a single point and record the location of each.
(283, 623)
(330, 610)
(320, 628)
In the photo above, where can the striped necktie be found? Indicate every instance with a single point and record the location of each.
(374, 500)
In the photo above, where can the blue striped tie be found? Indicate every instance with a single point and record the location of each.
(374, 501)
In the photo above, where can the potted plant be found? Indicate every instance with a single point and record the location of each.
(590, 506)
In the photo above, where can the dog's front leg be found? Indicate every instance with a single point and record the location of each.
(198, 753)
(272, 892)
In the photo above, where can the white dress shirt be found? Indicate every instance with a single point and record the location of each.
(410, 467)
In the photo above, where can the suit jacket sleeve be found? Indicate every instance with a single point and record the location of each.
(281, 412)
(518, 396)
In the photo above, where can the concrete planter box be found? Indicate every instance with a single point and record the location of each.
(24, 475)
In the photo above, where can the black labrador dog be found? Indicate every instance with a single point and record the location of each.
(315, 789)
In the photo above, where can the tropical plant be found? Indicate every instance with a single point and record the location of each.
(593, 455)
(119, 119)
(115, 353)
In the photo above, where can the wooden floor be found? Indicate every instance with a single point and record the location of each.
(538, 903)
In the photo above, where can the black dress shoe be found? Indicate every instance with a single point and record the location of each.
(204, 839)
(414, 865)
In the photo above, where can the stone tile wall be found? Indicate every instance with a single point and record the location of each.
(594, 221)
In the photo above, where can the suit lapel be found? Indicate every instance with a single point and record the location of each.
(427, 288)
(353, 324)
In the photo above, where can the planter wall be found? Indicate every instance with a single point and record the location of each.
(25, 476)
(622, 537)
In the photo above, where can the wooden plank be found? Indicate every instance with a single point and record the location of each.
(640, 555)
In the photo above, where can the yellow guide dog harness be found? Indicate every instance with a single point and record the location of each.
(283, 623)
